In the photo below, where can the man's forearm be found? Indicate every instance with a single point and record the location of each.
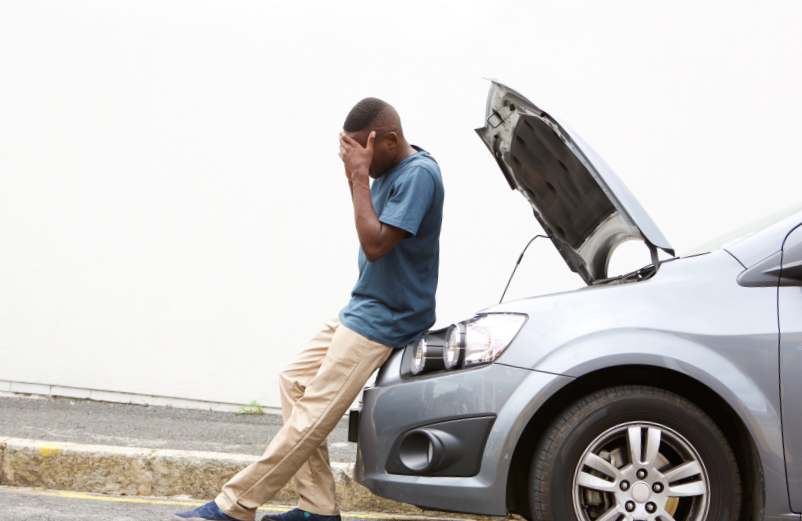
(365, 218)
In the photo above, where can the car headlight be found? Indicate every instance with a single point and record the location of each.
(479, 340)
(487, 336)
(455, 340)
(427, 357)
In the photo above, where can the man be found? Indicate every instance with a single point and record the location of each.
(398, 221)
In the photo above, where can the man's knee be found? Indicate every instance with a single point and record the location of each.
(285, 379)
(288, 382)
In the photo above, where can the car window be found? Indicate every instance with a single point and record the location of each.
(742, 232)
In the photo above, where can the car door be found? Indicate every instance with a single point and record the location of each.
(790, 316)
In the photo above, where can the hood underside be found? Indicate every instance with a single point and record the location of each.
(583, 206)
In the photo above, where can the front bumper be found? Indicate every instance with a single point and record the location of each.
(395, 407)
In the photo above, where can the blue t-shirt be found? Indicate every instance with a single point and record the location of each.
(393, 299)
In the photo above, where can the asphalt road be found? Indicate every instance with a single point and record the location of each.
(28, 504)
(149, 426)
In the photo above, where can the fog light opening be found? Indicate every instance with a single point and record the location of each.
(418, 451)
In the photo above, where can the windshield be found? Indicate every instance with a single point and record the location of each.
(745, 230)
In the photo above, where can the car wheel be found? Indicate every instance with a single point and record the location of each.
(634, 453)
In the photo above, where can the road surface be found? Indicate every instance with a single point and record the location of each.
(31, 504)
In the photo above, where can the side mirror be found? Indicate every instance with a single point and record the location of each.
(791, 274)
(781, 268)
(765, 273)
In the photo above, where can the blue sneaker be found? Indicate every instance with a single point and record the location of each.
(207, 511)
(296, 514)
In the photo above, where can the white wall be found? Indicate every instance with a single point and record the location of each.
(173, 214)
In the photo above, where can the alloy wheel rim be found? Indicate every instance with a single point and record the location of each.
(640, 471)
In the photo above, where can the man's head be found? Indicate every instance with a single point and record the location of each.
(389, 145)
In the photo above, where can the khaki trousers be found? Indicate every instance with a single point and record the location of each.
(316, 390)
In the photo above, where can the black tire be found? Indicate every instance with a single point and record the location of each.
(563, 443)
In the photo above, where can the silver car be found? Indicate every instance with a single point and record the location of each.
(670, 393)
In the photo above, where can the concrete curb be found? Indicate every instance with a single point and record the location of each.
(154, 472)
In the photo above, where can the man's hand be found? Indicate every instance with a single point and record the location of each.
(375, 237)
(356, 158)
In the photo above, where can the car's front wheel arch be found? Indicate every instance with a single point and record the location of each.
(720, 411)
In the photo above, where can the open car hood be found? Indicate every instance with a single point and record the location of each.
(580, 202)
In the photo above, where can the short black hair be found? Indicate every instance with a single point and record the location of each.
(363, 114)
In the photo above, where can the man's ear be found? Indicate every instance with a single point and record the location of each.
(393, 139)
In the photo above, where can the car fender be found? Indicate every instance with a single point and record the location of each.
(755, 402)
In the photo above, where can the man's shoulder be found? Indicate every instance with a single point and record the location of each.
(424, 164)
